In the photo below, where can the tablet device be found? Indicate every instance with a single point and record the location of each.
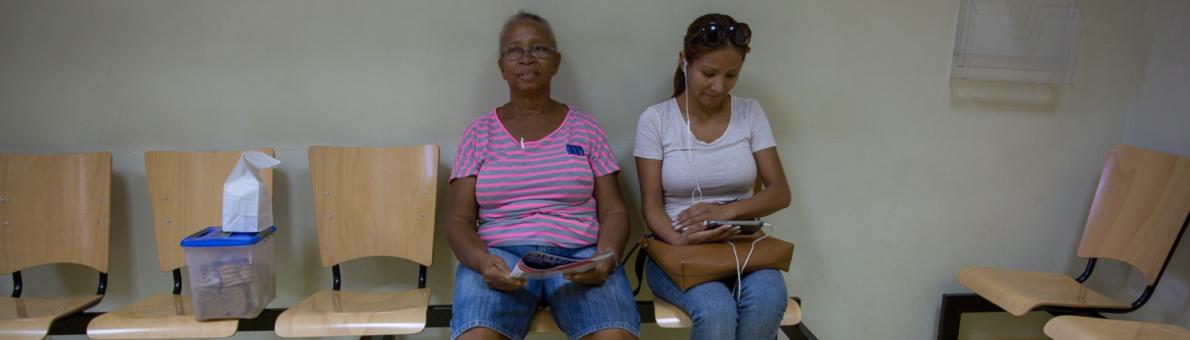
(747, 227)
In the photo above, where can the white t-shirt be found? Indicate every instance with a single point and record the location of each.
(724, 168)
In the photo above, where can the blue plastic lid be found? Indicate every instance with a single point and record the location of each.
(215, 237)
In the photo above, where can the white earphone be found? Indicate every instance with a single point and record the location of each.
(696, 194)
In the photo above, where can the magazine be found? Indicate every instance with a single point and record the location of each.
(538, 265)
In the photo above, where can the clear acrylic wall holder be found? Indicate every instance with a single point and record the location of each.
(1031, 41)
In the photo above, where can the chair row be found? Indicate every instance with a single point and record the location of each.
(367, 202)
(1140, 211)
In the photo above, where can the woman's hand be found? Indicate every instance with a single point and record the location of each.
(497, 275)
(596, 275)
(698, 234)
(699, 214)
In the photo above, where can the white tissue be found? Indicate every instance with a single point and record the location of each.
(247, 205)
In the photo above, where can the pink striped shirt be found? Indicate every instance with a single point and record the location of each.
(543, 193)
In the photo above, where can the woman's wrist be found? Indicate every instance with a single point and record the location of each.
(732, 209)
(685, 240)
(600, 250)
(476, 258)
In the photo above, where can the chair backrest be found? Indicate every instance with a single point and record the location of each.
(186, 194)
(54, 209)
(375, 202)
(1140, 206)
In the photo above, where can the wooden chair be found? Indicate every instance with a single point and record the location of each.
(369, 202)
(1140, 211)
(543, 322)
(186, 194)
(1071, 327)
(53, 209)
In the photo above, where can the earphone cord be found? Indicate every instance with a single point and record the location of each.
(739, 268)
(696, 194)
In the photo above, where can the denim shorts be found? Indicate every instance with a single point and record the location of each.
(578, 309)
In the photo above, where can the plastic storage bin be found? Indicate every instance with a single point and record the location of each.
(231, 274)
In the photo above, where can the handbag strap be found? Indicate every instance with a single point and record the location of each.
(640, 271)
(639, 266)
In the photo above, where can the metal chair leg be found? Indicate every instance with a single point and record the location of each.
(798, 332)
(953, 308)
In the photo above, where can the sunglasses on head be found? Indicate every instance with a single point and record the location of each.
(714, 34)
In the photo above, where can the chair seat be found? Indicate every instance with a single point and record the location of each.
(22, 318)
(1019, 292)
(543, 322)
(157, 317)
(337, 313)
(1084, 328)
(670, 316)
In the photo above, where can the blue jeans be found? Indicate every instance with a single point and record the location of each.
(578, 309)
(713, 307)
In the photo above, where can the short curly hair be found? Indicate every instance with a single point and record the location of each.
(523, 16)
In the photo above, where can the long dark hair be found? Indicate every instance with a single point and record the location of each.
(696, 48)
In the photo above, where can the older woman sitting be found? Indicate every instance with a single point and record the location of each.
(536, 175)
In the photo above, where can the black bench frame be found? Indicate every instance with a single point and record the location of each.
(437, 316)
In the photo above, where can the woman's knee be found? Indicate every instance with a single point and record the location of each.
(764, 290)
(480, 333)
(710, 306)
(609, 334)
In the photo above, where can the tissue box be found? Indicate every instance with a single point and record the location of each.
(231, 274)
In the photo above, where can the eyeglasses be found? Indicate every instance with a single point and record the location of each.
(714, 34)
(537, 51)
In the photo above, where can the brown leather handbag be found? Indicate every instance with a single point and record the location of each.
(689, 266)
